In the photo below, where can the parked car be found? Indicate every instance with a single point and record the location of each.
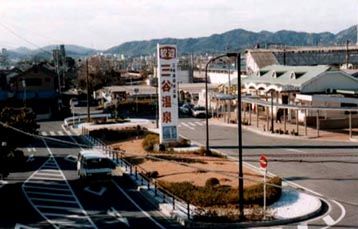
(186, 109)
(198, 112)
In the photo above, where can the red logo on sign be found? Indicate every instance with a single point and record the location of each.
(263, 161)
(167, 53)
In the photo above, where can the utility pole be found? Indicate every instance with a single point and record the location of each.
(88, 98)
(347, 53)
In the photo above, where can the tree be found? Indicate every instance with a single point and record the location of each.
(14, 122)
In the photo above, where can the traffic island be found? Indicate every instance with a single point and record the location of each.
(201, 191)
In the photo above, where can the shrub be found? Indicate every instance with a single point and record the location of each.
(152, 174)
(114, 135)
(212, 182)
(220, 195)
(149, 141)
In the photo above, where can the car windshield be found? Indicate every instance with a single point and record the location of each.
(98, 163)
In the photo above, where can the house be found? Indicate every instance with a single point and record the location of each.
(36, 88)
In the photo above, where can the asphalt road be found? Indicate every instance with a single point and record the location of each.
(328, 168)
(48, 193)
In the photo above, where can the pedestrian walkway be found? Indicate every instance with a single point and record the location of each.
(52, 133)
(262, 126)
(191, 125)
(49, 193)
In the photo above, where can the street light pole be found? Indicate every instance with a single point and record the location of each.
(241, 174)
(239, 128)
(206, 100)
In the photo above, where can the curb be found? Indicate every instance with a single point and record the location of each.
(268, 134)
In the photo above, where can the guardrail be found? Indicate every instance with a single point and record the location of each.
(139, 174)
(80, 118)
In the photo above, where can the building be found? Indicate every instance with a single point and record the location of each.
(35, 88)
(300, 92)
(337, 56)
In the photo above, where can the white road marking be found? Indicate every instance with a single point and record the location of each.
(44, 133)
(41, 173)
(66, 215)
(191, 124)
(114, 213)
(328, 220)
(186, 125)
(51, 162)
(3, 183)
(54, 200)
(49, 194)
(60, 133)
(137, 206)
(69, 223)
(199, 123)
(52, 133)
(296, 150)
(29, 149)
(302, 227)
(21, 226)
(39, 177)
(179, 125)
(33, 149)
(99, 193)
(57, 207)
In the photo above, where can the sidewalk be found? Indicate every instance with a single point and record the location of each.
(261, 128)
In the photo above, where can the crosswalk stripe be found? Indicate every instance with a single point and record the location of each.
(47, 188)
(52, 133)
(328, 220)
(302, 227)
(60, 133)
(54, 200)
(44, 133)
(192, 124)
(199, 123)
(49, 194)
(186, 125)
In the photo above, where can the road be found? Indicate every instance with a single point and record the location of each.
(328, 168)
(48, 193)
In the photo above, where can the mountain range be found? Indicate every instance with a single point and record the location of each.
(236, 39)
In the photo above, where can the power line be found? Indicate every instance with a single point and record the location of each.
(21, 37)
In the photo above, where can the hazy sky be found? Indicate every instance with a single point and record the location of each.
(102, 24)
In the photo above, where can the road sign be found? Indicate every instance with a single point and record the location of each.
(263, 161)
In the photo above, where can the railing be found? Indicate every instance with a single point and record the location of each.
(138, 173)
(80, 118)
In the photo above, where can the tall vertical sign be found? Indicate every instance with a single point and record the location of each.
(168, 94)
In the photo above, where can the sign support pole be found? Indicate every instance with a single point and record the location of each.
(264, 208)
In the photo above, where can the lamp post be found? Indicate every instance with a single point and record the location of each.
(239, 129)
(206, 99)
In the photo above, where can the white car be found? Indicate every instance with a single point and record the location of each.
(94, 165)
(198, 112)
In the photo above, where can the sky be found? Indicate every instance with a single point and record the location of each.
(102, 24)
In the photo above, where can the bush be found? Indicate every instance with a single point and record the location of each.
(149, 141)
(115, 135)
(212, 182)
(220, 195)
(152, 174)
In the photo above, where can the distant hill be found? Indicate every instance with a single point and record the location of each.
(235, 40)
(46, 52)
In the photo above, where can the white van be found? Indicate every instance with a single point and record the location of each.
(94, 165)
